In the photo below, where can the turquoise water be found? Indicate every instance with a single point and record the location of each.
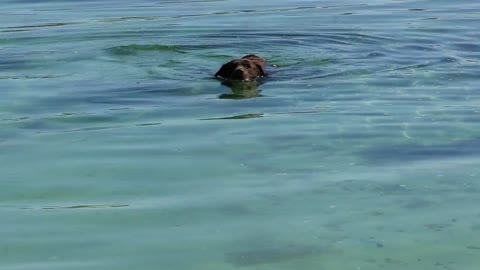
(120, 151)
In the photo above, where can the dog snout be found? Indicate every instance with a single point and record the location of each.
(238, 74)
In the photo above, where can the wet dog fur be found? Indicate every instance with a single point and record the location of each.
(248, 68)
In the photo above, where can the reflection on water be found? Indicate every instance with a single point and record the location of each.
(360, 151)
(241, 90)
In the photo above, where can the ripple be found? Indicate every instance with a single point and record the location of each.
(86, 206)
(418, 48)
(442, 60)
(13, 64)
(134, 48)
(43, 25)
(375, 54)
(415, 152)
(29, 77)
(148, 124)
(467, 47)
(236, 117)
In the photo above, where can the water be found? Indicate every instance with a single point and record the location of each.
(120, 151)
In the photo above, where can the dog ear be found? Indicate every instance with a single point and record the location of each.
(261, 69)
(225, 70)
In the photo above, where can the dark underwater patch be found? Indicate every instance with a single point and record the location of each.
(269, 255)
(416, 152)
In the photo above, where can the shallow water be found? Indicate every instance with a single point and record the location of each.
(120, 151)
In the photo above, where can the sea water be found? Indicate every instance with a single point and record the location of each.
(119, 150)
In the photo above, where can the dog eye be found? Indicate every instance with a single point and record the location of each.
(246, 64)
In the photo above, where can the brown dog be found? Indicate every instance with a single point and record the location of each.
(248, 68)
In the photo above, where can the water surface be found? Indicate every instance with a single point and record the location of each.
(120, 151)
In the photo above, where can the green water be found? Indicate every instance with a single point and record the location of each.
(120, 151)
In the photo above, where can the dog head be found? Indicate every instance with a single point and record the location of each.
(248, 68)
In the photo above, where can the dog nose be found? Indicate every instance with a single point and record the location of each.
(238, 74)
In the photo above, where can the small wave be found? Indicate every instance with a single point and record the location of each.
(27, 77)
(23, 28)
(85, 206)
(236, 117)
(134, 48)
